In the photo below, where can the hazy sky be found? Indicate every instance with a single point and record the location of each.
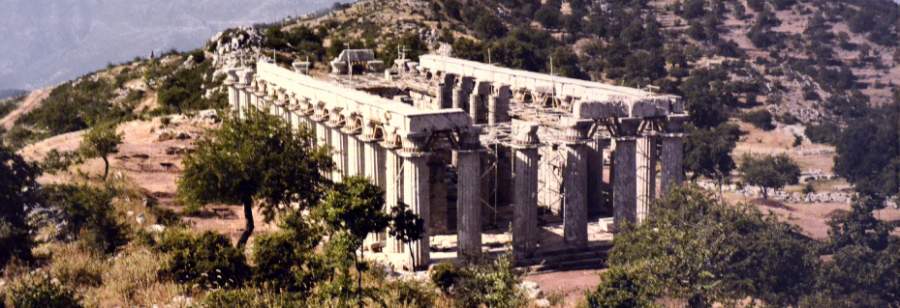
(49, 41)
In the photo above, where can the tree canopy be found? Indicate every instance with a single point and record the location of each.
(260, 160)
(101, 141)
(769, 171)
(19, 191)
(696, 248)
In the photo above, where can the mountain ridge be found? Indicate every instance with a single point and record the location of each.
(52, 41)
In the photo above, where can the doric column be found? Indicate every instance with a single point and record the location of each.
(575, 214)
(446, 91)
(417, 193)
(392, 190)
(229, 83)
(338, 146)
(475, 107)
(624, 185)
(525, 182)
(646, 154)
(258, 92)
(244, 78)
(269, 104)
(672, 153)
(246, 101)
(468, 200)
(374, 156)
(323, 132)
(596, 187)
(355, 150)
(498, 105)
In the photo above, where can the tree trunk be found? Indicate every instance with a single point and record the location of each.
(412, 257)
(358, 280)
(765, 193)
(719, 182)
(248, 217)
(105, 167)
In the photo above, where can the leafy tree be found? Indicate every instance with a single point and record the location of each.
(761, 119)
(691, 9)
(865, 268)
(825, 132)
(549, 16)
(18, 192)
(406, 226)
(565, 63)
(101, 141)
(769, 172)
(260, 160)
(705, 251)
(354, 208)
(708, 151)
(489, 26)
(706, 97)
(468, 49)
(868, 152)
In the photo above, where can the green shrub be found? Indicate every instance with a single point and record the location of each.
(283, 261)
(88, 214)
(408, 293)
(249, 298)
(494, 284)
(623, 287)
(761, 119)
(252, 298)
(825, 132)
(75, 106)
(40, 291)
(184, 89)
(208, 260)
(445, 276)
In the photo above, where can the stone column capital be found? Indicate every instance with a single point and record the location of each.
(576, 130)
(627, 127)
(414, 144)
(675, 123)
(524, 134)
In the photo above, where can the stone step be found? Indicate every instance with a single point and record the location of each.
(580, 264)
(567, 259)
(572, 250)
(590, 254)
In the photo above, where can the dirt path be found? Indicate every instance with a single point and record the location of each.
(31, 102)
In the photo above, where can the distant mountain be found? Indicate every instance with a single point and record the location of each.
(49, 41)
(7, 93)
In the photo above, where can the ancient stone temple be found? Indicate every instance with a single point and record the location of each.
(471, 146)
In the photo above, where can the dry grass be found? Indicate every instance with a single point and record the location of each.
(132, 279)
(75, 266)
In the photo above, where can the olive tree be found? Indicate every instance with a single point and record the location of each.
(258, 160)
(101, 141)
(769, 172)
